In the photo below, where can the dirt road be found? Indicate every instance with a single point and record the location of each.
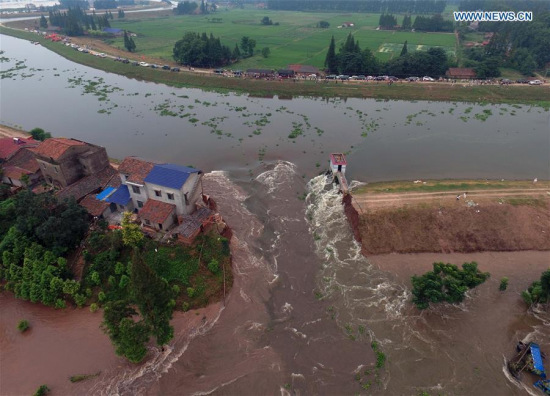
(372, 202)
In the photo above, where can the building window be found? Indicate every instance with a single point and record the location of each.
(170, 196)
(136, 190)
(160, 226)
(158, 193)
(147, 222)
(140, 204)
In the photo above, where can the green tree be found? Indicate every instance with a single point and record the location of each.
(266, 21)
(323, 24)
(128, 337)
(39, 134)
(265, 52)
(407, 24)
(247, 45)
(503, 284)
(129, 43)
(131, 233)
(236, 53)
(43, 22)
(539, 291)
(154, 298)
(331, 61)
(42, 390)
(404, 50)
(445, 283)
(121, 13)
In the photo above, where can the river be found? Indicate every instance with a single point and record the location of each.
(305, 305)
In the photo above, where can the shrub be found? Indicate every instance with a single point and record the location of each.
(503, 284)
(185, 306)
(60, 304)
(23, 326)
(80, 300)
(190, 292)
(539, 291)
(214, 266)
(94, 307)
(101, 296)
(41, 391)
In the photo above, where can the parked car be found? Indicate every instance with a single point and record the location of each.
(535, 82)
(153, 66)
(165, 67)
(522, 81)
(135, 63)
(125, 61)
(343, 77)
(175, 69)
(380, 78)
(505, 81)
(411, 79)
(393, 78)
(331, 77)
(427, 78)
(361, 77)
(102, 55)
(370, 78)
(144, 64)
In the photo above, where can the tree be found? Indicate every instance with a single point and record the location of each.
(539, 291)
(266, 21)
(204, 10)
(323, 24)
(236, 53)
(121, 13)
(43, 22)
(331, 62)
(265, 52)
(445, 283)
(39, 134)
(404, 50)
(407, 25)
(131, 233)
(186, 7)
(201, 50)
(129, 42)
(154, 298)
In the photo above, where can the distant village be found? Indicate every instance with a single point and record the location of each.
(166, 199)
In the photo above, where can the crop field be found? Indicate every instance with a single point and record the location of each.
(295, 40)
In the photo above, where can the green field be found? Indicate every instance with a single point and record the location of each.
(295, 40)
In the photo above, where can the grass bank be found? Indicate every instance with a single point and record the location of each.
(533, 95)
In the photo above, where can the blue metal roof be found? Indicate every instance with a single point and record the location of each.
(121, 196)
(105, 193)
(169, 175)
(537, 359)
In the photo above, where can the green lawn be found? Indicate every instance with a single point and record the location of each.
(295, 40)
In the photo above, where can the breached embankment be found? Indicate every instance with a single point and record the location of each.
(487, 221)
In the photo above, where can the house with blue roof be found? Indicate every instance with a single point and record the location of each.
(159, 193)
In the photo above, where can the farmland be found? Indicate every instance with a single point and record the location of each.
(295, 40)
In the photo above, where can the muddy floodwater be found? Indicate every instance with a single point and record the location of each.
(305, 305)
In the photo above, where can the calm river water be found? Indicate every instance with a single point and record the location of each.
(305, 305)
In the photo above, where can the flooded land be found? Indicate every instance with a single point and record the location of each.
(308, 312)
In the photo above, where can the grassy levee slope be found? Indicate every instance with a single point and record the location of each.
(536, 95)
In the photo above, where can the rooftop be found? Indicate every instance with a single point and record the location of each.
(170, 175)
(303, 68)
(89, 184)
(9, 146)
(156, 211)
(191, 223)
(135, 169)
(54, 148)
(461, 71)
(94, 206)
(121, 196)
(338, 159)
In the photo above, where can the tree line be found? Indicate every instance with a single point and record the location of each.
(372, 6)
(201, 50)
(75, 21)
(435, 23)
(521, 46)
(350, 59)
(191, 7)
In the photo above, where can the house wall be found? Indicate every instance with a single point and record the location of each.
(17, 182)
(179, 195)
(168, 223)
(94, 161)
(142, 196)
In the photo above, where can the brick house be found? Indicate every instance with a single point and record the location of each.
(64, 161)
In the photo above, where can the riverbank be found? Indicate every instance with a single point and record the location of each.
(533, 95)
(6, 131)
(451, 216)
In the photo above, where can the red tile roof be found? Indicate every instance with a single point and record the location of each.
(89, 184)
(156, 211)
(135, 169)
(24, 159)
(9, 146)
(56, 147)
(94, 206)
